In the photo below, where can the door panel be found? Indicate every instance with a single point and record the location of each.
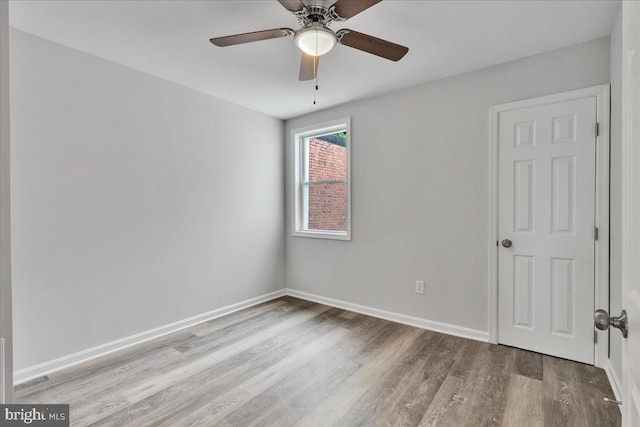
(523, 291)
(562, 296)
(524, 204)
(563, 195)
(547, 209)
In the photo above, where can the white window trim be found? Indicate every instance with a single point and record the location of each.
(297, 213)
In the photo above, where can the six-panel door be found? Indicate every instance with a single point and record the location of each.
(547, 209)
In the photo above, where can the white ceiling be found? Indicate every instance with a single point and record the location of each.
(170, 39)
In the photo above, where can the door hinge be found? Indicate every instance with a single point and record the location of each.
(595, 337)
(595, 233)
(597, 129)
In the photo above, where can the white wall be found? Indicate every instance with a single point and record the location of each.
(6, 382)
(136, 202)
(420, 189)
(615, 268)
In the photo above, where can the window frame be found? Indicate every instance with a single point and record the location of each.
(299, 208)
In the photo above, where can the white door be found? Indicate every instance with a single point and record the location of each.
(631, 214)
(547, 157)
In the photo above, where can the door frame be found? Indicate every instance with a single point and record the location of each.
(601, 291)
(6, 342)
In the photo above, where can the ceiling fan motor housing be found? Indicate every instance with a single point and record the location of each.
(319, 14)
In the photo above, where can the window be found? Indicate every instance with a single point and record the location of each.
(321, 189)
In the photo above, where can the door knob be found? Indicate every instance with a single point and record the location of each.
(602, 321)
(507, 243)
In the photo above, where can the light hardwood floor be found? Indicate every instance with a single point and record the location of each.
(290, 362)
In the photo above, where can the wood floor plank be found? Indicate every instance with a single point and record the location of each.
(348, 314)
(74, 378)
(501, 362)
(574, 395)
(389, 383)
(241, 316)
(117, 377)
(86, 407)
(524, 403)
(220, 334)
(476, 393)
(447, 399)
(196, 392)
(332, 409)
(290, 362)
(419, 379)
(529, 364)
(154, 385)
(223, 405)
(317, 380)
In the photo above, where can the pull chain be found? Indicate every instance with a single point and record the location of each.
(315, 71)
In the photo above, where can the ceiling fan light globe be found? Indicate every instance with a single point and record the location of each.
(315, 41)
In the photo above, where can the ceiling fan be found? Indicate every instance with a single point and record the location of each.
(315, 38)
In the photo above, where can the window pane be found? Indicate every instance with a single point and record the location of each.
(327, 206)
(327, 157)
(320, 181)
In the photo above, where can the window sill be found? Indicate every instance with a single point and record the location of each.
(323, 235)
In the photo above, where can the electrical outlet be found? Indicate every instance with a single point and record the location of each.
(420, 287)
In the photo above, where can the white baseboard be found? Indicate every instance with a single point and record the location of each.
(32, 372)
(418, 322)
(51, 366)
(36, 371)
(616, 385)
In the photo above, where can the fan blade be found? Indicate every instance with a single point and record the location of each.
(373, 45)
(251, 37)
(308, 67)
(349, 8)
(292, 5)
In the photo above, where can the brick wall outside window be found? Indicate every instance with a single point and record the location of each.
(327, 202)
